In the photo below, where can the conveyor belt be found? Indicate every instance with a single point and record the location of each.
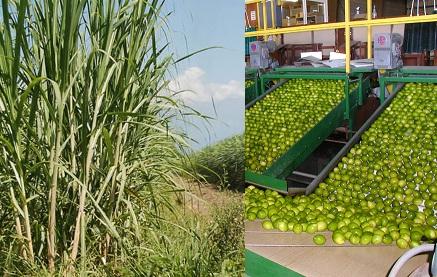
(275, 176)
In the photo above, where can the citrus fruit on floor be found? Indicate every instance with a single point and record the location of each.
(319, 239)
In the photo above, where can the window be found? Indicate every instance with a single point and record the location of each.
(299, 12)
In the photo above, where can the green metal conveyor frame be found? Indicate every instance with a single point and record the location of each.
(253, 91)
(397, 77)
(407, 74)
(274, 176)
(257, 265)
(361, 73)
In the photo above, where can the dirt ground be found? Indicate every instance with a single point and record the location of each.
(200, 198)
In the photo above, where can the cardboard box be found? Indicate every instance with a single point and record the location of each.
(289, 22)
(295, 12)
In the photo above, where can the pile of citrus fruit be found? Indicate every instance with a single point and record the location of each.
(248, 83)
(383, 191)
(279, 120)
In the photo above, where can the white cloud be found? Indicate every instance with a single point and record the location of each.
(197, 89)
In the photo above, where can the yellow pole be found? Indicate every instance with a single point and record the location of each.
(369, 29)
(341, 25)
(265, 18)
(258, 18)
(264, 15)
(347, 35)
(272, 8)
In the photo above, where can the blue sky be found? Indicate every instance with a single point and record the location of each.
(216, 73)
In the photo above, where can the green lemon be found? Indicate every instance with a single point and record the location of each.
(321, 226)
(387, 239)
(366, 238)
(332, 226)
(377, 239)
(311, 228)
(431, 221)
(319, 239)
(297, 228)
(413, 243)
(394, 235)
(355, 239)
(267, 224)
(401, 243)
(338, 238)
(416, 236)
(251, 216)
(281, 225)
(430, 233)
(262, 214)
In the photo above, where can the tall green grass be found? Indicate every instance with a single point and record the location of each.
(88, 154)
(222, 163)
(196, 246)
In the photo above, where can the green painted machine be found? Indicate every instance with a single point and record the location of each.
(252, 84)
(393, 81)
(362, 74)
(275, 177)
(397, 79)
(407, 74)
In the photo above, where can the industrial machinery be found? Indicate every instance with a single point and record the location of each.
(338, 257)
(387, 51)
(283, 175)
(259, 52)
(407, 74)
(287, 253)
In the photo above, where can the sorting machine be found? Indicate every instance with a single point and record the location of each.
(393, 81)
(289, 173)
(396, 79)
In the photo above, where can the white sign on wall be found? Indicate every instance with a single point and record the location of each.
(252, 15)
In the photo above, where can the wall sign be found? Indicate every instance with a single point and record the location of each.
(252, 15)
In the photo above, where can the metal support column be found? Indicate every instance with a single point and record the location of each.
(258, 17)
(264, 18)
(369, 29)
(381, 88)
(347, 35)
